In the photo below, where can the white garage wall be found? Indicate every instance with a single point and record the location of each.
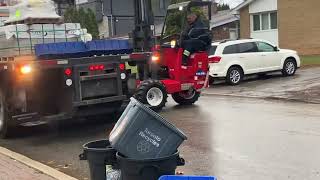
(269, 35)
(258, 6)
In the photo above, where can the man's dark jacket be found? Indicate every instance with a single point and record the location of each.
(197, 30)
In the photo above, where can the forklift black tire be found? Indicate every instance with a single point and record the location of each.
(152, 93)
(5, 126)
(183, 99)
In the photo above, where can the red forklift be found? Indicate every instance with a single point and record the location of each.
(163, 73)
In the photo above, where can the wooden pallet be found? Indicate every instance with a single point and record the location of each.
(30, 21)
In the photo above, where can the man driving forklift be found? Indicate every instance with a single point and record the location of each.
(196, 37)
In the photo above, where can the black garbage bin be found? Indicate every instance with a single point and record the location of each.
(99, 154)
(148, 169)
(141, 133)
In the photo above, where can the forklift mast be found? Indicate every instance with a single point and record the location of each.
(143, 33)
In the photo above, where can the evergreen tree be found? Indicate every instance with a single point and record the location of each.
(92, 24)
(223, 6)
(81, 15)
(87, 19)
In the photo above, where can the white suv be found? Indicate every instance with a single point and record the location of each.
(234, 59)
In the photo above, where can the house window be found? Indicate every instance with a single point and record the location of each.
(265, 21)
(274, 20)
(256, 22)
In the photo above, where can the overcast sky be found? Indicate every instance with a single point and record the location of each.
(233, 3)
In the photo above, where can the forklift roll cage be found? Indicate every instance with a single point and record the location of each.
(186, 7)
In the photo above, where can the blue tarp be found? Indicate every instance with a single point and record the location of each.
(81, 49)
(106, 47)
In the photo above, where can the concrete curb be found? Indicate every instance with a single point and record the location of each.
(36, 165)
(264, 98)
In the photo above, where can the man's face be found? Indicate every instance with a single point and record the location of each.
(191, 18)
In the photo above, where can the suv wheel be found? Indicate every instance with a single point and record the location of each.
(289, 67)
(234, 76)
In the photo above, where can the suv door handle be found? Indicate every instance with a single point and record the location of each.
(263, 55)
(241, 57)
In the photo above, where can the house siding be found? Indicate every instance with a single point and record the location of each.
(259, 6)
(299, 26)
(223, 32)
(244, 23)
(263, 6)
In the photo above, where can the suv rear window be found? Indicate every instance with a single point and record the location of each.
(232, 49)
(248, 47)
(212, 50)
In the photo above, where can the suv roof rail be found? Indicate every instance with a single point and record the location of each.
(222, 41)
(226, 40)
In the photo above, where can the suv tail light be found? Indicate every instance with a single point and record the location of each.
(214, 59)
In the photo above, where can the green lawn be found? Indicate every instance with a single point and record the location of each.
(310, 60)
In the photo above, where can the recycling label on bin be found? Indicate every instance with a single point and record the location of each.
(150, 141)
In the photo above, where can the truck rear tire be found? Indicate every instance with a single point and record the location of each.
(186, 97)
(4, 117)
(152, 93)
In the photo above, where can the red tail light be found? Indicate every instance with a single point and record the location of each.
(122, 67)
(214, 59)
(68, 72)
(99, 67)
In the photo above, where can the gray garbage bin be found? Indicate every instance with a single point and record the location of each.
(99, 154)
(141, 133)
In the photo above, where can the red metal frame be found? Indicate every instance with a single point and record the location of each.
(193, 75)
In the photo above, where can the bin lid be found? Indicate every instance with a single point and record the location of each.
(160, 118)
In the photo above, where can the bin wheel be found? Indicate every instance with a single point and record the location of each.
(152, 93)
(186, 97)
(5, 128)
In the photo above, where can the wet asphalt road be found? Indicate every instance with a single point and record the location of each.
(232, 138)
(303, 87)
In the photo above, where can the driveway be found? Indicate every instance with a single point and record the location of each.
(304, 87)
